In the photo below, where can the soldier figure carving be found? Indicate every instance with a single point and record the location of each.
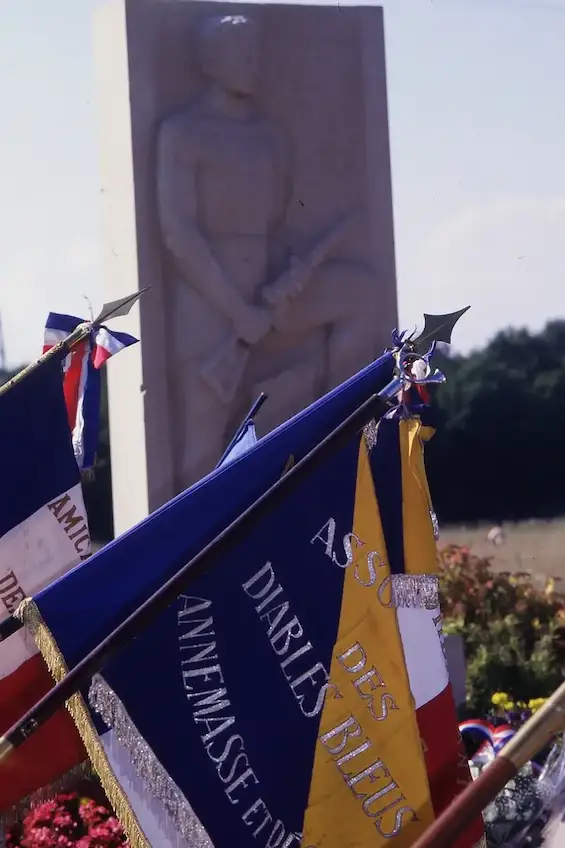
(257, 313)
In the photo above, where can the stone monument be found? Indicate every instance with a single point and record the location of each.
(246, 179)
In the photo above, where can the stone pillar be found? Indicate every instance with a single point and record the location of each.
(246, 179)
(457, 667)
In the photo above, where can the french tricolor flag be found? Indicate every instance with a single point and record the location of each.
(82, 383)
(43, 533)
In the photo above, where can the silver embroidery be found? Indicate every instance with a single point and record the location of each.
(415, 590)
(435, 524)
(107, 704)
(408, 590)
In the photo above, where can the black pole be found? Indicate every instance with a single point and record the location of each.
(8, 626)
(241, 429)
(12, 624)
(373, 408)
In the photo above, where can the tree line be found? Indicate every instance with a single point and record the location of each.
(498, 451)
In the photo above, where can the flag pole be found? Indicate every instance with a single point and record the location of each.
(375, 407)
(110, 310)
(11, 625)
(61, 349)
(255, 407)
(527, 742)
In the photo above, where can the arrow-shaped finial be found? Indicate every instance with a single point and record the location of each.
(413, 355)
(117, 308)
(437, 328)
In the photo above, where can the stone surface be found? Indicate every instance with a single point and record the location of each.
(457, 667)
(246, 178)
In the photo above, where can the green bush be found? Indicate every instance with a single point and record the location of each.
(513, 632)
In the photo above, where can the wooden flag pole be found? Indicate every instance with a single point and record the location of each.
(62, 348)
(530, 739)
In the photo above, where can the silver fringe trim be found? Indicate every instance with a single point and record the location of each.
(370, 430)
(435, 524)
(370, 434)
(415, 590)
(107, 704)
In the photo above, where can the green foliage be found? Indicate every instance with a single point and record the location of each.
(511, 629)
(500, 412)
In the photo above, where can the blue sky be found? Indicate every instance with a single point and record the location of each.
(477, 116)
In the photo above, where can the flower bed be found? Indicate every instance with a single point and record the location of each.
(513, 631)
(67, 821)
(514, 637)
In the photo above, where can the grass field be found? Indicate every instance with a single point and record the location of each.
(534, 546)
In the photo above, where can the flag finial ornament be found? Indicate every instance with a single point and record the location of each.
(437, 328)
(117, 308)
(413, 355)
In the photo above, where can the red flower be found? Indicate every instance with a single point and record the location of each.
(65, 822)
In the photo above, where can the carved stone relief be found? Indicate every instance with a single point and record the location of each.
(248, 311)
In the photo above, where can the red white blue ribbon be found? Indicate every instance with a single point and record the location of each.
(501, 735)
(484, 730)
(494, 736)
(82, 382)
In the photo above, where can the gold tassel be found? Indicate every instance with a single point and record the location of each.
(28, 613)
